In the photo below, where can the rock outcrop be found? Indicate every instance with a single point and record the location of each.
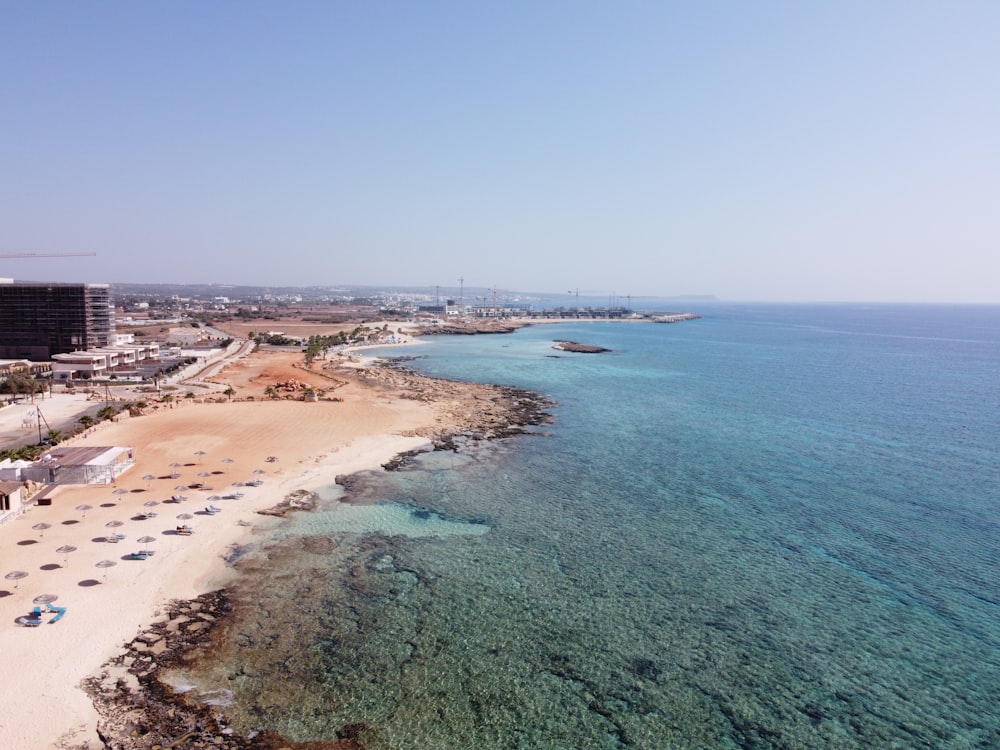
(573, 346)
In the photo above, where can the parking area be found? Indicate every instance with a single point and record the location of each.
(19, 423)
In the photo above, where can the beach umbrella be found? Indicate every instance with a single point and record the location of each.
(199, 454)
(146, 539)
(120, 491)
(148, 478)
(83, 509)
(16, 575)
(45, 598)
(184, 517)
(259, 471)
(182, 488)
(106, 564)
(151, 503)
(65, 550)
(114, 524)
(227, 460)
(40, 528)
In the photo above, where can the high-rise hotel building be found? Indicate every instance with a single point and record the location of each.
(38, 320)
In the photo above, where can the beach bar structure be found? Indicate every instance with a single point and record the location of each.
(11, 500)
(90, 465)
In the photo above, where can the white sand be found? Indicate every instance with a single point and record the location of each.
(42, 703)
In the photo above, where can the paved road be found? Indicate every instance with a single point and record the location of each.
(19, 422)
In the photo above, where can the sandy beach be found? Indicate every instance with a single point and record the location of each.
(360, 422)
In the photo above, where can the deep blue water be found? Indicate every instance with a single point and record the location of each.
(774, 527)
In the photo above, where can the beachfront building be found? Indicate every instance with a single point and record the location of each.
(79, 465)
(38, 320)
(11, 500)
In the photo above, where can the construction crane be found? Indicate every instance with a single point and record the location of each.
(45, 255)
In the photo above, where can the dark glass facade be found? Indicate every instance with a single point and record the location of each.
(39, 320)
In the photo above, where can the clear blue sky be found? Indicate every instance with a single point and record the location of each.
(760, 151)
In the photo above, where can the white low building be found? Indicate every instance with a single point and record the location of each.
(12, 502)
(77, 465)
(79, 366)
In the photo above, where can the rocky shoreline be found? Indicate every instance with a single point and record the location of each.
(470, 328)
(139, 711)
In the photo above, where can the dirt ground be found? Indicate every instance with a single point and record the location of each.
(282, 370)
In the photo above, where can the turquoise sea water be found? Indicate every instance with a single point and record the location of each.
(775, 527)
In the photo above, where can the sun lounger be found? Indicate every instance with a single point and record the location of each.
(36, 612)
(28, 622)
(137, 556)
(147, 552)
(60, 611)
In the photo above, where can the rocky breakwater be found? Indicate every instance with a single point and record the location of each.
(676, 317)
(573, 346)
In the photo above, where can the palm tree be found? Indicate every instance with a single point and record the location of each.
(86, 421)
(106, 412)
(270, 392)
(230, 392)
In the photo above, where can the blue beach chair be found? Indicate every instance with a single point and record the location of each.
(60, 611)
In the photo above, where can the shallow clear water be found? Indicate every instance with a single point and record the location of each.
(772, 527)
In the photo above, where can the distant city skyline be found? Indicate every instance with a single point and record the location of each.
(762, 152)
